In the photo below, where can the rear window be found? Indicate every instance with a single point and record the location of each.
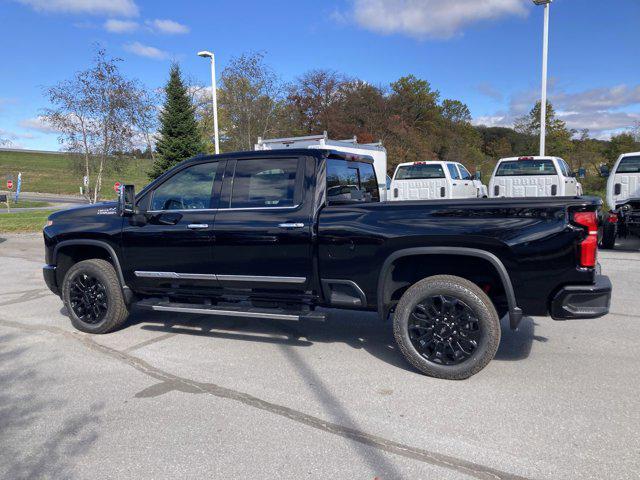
(629, 165)
(351, 182)
(513, 168)
(419, 171)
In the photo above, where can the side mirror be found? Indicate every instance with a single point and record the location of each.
(478, 176)
(604, 171)
(126, 201)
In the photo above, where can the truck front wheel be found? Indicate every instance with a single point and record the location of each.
(93, 297)
(447, 327)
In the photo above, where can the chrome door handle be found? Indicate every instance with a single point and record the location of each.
(197, 226)
(291, 225)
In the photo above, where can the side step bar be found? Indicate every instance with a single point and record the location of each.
(230, 310)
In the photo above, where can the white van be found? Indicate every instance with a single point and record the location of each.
(374, 150)
(533, 177)
(433, 180)
(624, 181)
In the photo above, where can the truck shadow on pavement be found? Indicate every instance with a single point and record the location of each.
(37, 441)
(356, 329)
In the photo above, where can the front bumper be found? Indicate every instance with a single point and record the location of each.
(49, 274)
(582, 301)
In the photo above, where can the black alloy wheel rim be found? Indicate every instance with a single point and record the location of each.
(444, 330)
(88, 298)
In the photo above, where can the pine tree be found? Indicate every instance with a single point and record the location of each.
(179, 135)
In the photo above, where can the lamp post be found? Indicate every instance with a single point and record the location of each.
(545, 52)
(214, 96)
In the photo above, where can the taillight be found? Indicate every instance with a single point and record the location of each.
(589, 246)
(613, 217)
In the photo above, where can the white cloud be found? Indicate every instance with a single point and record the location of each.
(141, 50)
(601, 110)
(120, 26)
(123, 8)
(167, 26)
(430, 18)
(37, 123)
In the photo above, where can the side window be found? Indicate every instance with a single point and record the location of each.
(264, 183)
(189, 189)
(453, 171)
(464, 172)
(563, 168)
(351, 182)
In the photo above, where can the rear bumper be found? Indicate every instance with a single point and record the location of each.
(49, 274)
(582, 301)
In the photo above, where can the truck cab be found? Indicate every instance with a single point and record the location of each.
(515, 177)
(432, 180)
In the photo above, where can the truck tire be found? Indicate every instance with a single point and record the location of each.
(447, 327)
(92, 294)
(608, 236)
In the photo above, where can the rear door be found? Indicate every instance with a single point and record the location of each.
(570, 182)
(263, 226)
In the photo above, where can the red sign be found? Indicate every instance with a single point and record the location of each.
(116, 187)
(10, 184)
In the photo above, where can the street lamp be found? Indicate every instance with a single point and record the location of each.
(545, 51)
(214, 96)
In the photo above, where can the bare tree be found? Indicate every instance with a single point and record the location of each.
(96, 112)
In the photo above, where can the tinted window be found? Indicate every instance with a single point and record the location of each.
(419, 171)
(453, 171)
(464, 172)
(264, 183)
(351, 182)
(526, 167)
(186, 190)
(629, 165)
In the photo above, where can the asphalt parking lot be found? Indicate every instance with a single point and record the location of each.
(173, 396)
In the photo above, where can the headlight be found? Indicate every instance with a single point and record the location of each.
(49, 223)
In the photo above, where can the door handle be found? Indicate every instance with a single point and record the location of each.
(291, 225)
(197, 226)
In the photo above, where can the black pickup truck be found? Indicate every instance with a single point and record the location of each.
(277, 234)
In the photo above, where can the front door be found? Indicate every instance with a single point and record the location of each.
(168, 248)
(263, 227)
(457, 185)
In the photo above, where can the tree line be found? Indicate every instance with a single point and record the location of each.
(105, 116)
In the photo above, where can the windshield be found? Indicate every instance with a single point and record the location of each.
(419, 171)
(514, 168)
(629, 165)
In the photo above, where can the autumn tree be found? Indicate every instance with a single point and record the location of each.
(558, 136)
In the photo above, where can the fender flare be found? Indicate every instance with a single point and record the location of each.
(126, 291)
(515, 313)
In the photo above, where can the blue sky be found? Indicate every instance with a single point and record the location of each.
(483, 52)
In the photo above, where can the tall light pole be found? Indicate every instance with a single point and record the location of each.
(545, 56)
(214, 96)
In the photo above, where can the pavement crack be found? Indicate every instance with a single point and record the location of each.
(168, 381)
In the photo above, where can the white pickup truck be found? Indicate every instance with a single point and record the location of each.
(533, 177)
(623, 197)
(432, 180)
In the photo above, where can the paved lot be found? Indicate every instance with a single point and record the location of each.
(193, 397)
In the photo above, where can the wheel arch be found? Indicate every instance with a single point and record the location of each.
(384, 281)
(63, 258)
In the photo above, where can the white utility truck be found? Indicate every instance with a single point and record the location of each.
(433, 180)
(533, 177)
(623, 197)
(374, 150)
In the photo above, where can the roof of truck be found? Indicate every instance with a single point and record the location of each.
(529, 157)
(289, 152)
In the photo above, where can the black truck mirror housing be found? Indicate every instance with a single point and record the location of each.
(604, 171)
(126, 200)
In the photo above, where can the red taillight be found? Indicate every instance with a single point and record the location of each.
(613, 217)
(589, 246)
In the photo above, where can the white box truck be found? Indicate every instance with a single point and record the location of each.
(374, 150)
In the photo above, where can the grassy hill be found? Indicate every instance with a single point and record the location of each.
(55, 173)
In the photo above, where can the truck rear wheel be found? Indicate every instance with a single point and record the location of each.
(93, 297)
(608, 236)
(447, 327)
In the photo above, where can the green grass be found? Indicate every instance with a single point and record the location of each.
(52, 173)
(23, 204)
(22, 222)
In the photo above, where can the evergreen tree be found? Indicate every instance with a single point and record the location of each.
(179, 135)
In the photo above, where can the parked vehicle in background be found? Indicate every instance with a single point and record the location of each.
(434, 179)
(533, 177)
(270, 235)
(373, 150)
(623, 197)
